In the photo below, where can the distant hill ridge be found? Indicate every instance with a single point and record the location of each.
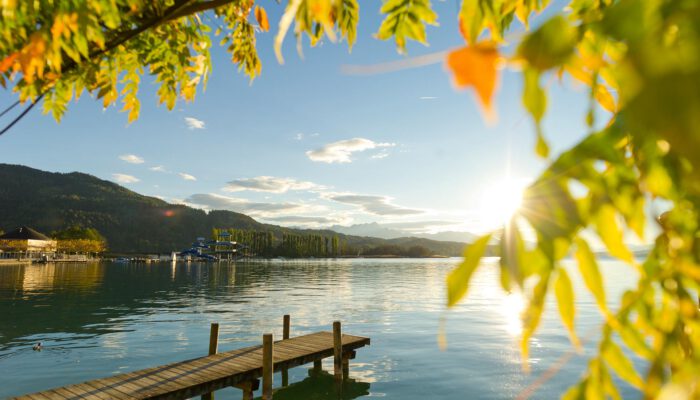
(131, 222)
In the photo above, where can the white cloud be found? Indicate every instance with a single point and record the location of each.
(380, 155)
(158, 168)
(307, 221)
(377, 205)
(194, 123)
(268, 184)
(131, 158)
(187, 177)
(213, 201)
(340, 152)
(427, 98)
(124, 178)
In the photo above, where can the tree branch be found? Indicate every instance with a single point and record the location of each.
(199, 7)
(115, 42)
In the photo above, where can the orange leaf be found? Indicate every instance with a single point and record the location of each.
(31, 57)
(476, 66)
(261, 17)
(8, 62)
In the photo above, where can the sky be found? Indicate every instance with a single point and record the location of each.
(309, 144)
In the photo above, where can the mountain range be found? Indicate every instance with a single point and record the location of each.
(134, 223)
(386, 231)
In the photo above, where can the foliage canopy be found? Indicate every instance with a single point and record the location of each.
(639, 59)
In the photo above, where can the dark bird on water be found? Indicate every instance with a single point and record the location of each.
(37, 347)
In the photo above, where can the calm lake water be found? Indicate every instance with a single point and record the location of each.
(102, 319)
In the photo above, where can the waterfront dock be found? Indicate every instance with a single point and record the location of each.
(242, 368)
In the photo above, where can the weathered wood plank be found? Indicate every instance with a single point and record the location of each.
(205, 374)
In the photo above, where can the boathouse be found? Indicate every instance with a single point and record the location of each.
(28, 242)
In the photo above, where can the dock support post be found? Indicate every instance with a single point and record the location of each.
(213, 349)
(248, 388)
(286, 323)
(318, 366)
(267, 367)
(337, 351)
(346, 367)
(285, 335)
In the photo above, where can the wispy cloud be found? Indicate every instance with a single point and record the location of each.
(124, 178)
(187, 177)
(301, 136)
(269, 184)
(158, 168)
(194, 123)
(304, 220)
(380, 155)
(427, 98)
(341, 152)
(377, 205)
(131, 158)
(213, 201)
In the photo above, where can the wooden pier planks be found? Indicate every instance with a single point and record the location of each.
(206, 374)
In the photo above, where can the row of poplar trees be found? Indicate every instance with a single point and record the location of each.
(265, 244)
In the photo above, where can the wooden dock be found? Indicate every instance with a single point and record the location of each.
(241, 368)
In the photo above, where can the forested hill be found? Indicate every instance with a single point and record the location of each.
(132, 222)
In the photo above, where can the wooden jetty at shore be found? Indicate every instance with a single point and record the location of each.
(241, 368)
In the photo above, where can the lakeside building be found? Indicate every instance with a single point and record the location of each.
(25, 242)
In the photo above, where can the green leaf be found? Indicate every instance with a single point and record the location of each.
(471, 20)
(616, 359)
(534, 98)
(541, 148)
(348, 17)
(550, 209)
(564, 292)
(588, 266)
(535, 102)
(549, 46)
(458, 278)
(406, 19)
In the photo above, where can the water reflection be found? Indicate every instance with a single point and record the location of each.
(100, 319)
(511, 309)
(322, 386)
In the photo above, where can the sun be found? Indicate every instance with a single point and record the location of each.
(501, 200)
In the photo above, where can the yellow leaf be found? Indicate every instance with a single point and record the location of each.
(622, 366)
(564, 292)
(458, 278)
(532, 315)
(590, 272)
(476, 66)
(261, 17)
(635, 341)
(611, 234)
(604, 98)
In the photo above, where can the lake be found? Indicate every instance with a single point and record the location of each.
(102, 319)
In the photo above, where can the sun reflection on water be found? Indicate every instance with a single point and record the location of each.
(511, 309)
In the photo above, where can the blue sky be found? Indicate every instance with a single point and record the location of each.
(280, 149)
